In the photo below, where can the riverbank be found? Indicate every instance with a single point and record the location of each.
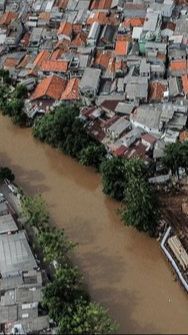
(124, 270)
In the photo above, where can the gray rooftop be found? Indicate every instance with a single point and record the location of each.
(7, 224)
(90, 79)
(15, 254)
(148, 116)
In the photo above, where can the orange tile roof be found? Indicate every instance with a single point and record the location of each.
(65, 29)
(178, 65)
(10, 62)
(52, 87)
(103, 59)
(54, 66)
(100, 4)
(121, 48)
(79, 40)
(42, 56)
(185, 83)
(134, 22)
(56, 54)
(71, 91)
(7, 18)
(156, 91)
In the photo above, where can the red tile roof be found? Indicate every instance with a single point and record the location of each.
(42, 56)
(10, 62)
(121, 48)
(133, 22)
(185, 83)
(25, 39)
(7, 18)
(179, 65)
(156, 90)
(71, 91)
(54, 66)
(79, 40)
(65, 29)
(100, 4)
(103, 59)
(51, 87)
(120, 151)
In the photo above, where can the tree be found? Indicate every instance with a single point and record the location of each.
(135, 167)
(93, 155)
(62, 295)
(141, 209)
(20, 92)
(173, 157)
(35, 211)
(55, 245)
(114, 177)
(6, 173)
(5, 75)
(87, 319)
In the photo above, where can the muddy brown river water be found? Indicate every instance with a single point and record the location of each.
(124, 270)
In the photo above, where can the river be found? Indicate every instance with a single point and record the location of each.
(124, 270)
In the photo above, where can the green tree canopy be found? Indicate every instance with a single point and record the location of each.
(65, 292)
(55, 245)
(173, 157)
(34, 209)
(93, 155)
(114, 177)
(141, 210)
(88, 319)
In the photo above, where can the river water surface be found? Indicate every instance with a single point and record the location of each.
(124, 270)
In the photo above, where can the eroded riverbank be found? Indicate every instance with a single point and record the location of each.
(125, 270)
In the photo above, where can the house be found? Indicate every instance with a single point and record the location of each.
(121, 48)
(178, 67)
(35, 38)
(90, 81)
(175, 87)
(137, 89)
(147, 117)
(148, 140)
(7, 18)
(65, 31)
(157, 90)
(118, 128)
(130, 137)
(100, 4)
(94, 34)
(184, 79)
(50, 67)
(71, 92)
(50, 87)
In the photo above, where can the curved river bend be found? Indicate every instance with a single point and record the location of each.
(124, 270)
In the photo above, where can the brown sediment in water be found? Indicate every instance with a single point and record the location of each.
(125, 270)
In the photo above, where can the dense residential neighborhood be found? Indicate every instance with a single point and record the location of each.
(106, 82)
(124, 61)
